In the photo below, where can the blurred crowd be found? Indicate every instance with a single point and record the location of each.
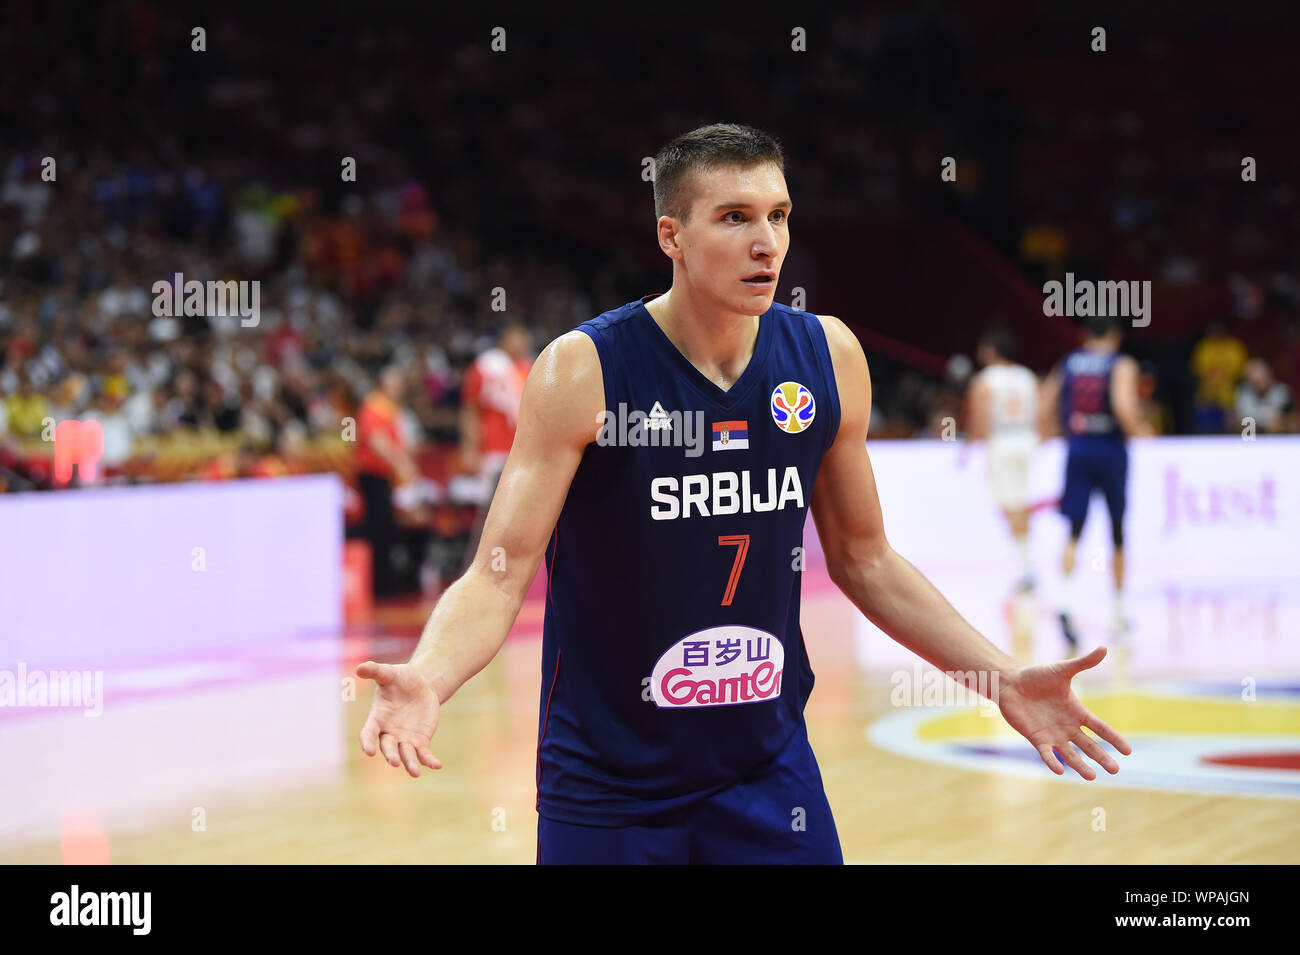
(230, 165)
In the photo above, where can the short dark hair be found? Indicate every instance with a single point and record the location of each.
(719, 146)
(1099, 326)
(1000, 339)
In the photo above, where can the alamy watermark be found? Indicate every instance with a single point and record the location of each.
(656, 428)
(172, 299)
(945, 688)
(128, 909)
(23, 688)
(1085, 298)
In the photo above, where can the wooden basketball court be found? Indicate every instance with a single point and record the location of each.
(337, 806)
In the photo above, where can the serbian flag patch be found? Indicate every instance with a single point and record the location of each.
(730, 435)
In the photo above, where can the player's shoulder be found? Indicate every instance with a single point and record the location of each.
(848, 360)
(1125, 364)
(839, 337)
(581, 345)
(614, 319)
(569, 357)
(564, 390)
(1026, 373)
(797, 326)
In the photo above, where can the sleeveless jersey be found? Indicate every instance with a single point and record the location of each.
(1085, 396)
(672, 658)
(1013, 398)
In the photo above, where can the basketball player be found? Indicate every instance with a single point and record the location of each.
(491, 393)
(1004, 397)
(674, 672)
(1096, 390)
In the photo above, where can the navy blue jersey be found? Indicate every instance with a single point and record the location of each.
(672, 658)
(1086, 412)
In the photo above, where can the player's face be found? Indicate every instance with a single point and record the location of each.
(392, 385)
(515, 343)
(739, 228)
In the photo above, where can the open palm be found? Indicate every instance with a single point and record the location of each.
(1039, 705)
(402, 717)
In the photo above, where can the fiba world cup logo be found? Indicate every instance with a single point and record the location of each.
(792, 407)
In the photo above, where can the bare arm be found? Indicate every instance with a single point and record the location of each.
(1048, 398)
(469, 436)
(1036, 701)
(889, 591)
(401, 461)
(979, 409)
(562, 401)
(1124, 396)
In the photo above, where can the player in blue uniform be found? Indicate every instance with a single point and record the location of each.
(667, 456)
(1095, 388)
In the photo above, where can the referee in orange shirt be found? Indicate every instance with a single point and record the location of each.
(383, 459)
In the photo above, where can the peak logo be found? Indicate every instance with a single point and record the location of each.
(720, 666)
(657, 429)
(658, 419)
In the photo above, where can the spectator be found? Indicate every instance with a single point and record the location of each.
(382, 459)
(1263, 399)
(118, 437)
(27, 408)
(1217, 362)
(402, 261)
(1150, 409)
(1286, 359)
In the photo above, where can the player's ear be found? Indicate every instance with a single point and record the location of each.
(667, 228)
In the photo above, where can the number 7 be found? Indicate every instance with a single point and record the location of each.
(742, 543)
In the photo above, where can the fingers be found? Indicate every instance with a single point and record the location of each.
(427, 757)
(398, 752)
(1098, 755)
(370, 736)
(1079, 664)
(381, 673)
(1075, 761)
(1102, 729)
(1049, 757)
(1053, 755)
(388, 744)
(412, 764)
(407, 753)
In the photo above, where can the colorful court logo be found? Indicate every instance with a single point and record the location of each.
(793, 407)
(1185, 738)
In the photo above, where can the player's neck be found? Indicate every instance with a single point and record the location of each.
(719, 344)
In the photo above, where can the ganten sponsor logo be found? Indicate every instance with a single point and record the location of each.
(720, 666)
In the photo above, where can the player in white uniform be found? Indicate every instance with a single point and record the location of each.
(1003, 407)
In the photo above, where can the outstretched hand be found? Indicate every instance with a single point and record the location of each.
(1039, 705)
(402, 717)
